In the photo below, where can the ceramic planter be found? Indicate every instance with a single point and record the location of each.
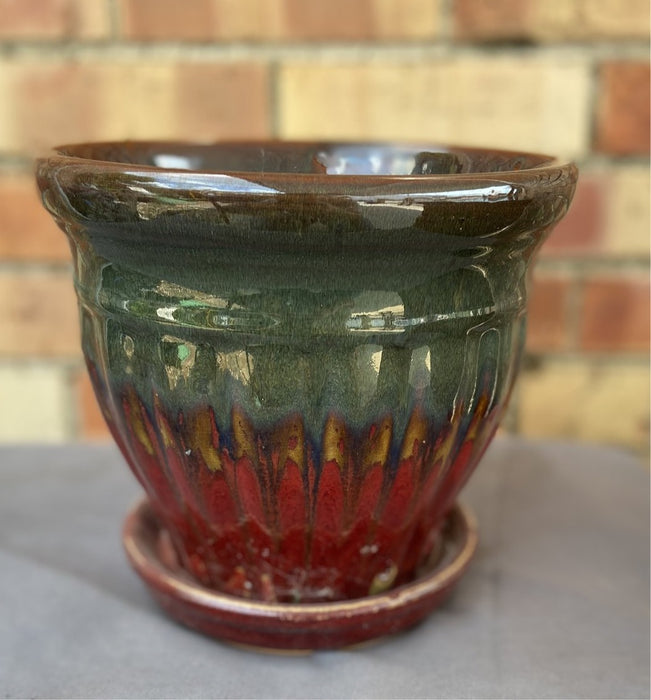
(302, 351)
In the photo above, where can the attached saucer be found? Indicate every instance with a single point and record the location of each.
(298, 627)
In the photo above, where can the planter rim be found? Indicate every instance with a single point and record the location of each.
(533, 172)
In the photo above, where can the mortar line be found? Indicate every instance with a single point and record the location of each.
(27, 266)
(337, 50)
(573, 311)
(446, 17)
(625, 358)
(594, 265)
(593, 102)
(17, 162)
(63, 364)
(114, 21)
(275, 116)
(72, 412)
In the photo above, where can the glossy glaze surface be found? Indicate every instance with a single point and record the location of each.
(302, 349)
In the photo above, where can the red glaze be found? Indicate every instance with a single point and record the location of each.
(259, 519)
(305, 626)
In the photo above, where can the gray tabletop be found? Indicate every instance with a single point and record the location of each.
(555, 604)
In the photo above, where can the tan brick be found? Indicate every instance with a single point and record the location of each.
(90, 421)
(284, 20)
(93, 19)
(550, 20)
(548, 313)
(623, 114)
(54, 19)
(576, 400)
(249, 20)
(48, 103)
(38, 316)
(628, 219)
(33, 404)
(582, 230)
(136, 100)
(592, 19)
(615, 314)
(27, 231)
(407, 19)
(534, 104)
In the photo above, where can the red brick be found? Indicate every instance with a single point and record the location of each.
(168, 19)
(284, 20)
(53, 19)
(90, 421)
(491, 19)
(628, 214)
(314, 20)
(615, 314)
(548, 309)
(550, 20)
(362, 20)
(38, 315)
(582, 230)
(27, 231)
(49, 103)
(228, 100)
(623, 119)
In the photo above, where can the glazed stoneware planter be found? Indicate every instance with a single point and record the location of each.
(302, 350)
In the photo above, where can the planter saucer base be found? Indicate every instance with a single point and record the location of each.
(269, 626)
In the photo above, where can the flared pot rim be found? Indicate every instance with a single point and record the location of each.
(318, 167)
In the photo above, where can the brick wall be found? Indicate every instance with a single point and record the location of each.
(569, 77)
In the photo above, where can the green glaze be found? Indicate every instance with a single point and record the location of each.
(288, 299)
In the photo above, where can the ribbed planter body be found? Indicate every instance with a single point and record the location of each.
(302, 350)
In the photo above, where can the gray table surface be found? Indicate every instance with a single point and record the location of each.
(555, 604)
